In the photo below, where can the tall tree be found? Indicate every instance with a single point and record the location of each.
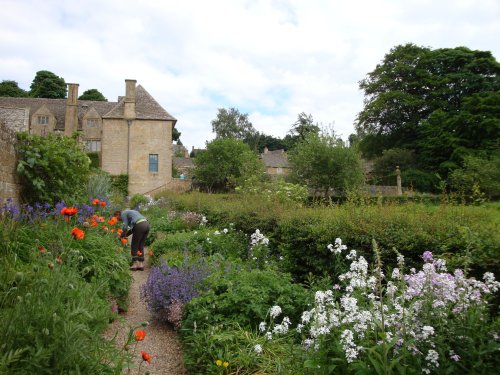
(412, 83)
(230, 123)
(11, 89)
(93, 94)
(47, 85)
(323, 161)
(303, 126)
(225, 163)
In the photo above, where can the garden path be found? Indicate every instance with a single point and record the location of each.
(161, 341)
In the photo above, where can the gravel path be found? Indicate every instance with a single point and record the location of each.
(161, 341)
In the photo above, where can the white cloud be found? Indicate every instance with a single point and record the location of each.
(270, 58)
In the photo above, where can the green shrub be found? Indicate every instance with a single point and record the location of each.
(137, 200)
(52, 167)
(52, 321)
(120, 184)
(243, 296)
(94, 160)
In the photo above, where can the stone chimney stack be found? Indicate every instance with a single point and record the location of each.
(186, 154)
(71, 118)
(266, 150)
(129, 110)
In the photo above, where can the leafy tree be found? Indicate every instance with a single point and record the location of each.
(303, 126)
(93, 94)
(322, 161)
(230, 123)
(481, 171)
(176, 136)
(412, 84)
(258, 141)
(11, 89)
(47, 85)
(384, 168)
(225, 163)
(53, 167)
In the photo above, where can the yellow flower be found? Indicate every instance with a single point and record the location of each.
(225, 364)
(218, 362)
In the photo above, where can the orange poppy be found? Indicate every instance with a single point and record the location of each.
(93, 223)
(69, 211)
(113, 220)
(150, 253)
(77, 233)
(139, 253)
(124, 241)
(102, 203)
(95, 201)
(146, 357)
(140, 335)
(119, 231)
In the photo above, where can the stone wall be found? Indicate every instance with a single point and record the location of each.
(17, 119)
(10, 186)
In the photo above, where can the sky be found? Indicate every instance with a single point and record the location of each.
(270, 59)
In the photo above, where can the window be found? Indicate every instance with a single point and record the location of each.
(93, 145)
(43, 120)
(153, 162)
(92, 123)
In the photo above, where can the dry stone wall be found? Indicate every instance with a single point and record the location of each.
(10, 186)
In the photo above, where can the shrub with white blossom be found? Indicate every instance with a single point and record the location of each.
(426, 321)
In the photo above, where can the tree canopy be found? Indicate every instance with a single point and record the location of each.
(324, 162)
(93, 94)
(11, 89)
(442, 104)
(230, 123)
(225, 163)
(47, 85)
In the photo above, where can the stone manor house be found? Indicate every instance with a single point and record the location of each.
(132, 136)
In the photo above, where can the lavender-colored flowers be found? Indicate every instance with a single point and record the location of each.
(169, 287)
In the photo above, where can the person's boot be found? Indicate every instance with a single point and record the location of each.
(133, 267)
(140, 266)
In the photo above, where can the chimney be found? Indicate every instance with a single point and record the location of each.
(186, 153)
(71, 118)
(266, 150)
(129, 110)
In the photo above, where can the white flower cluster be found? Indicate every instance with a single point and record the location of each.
(338, 247)
(357, 308)
(258, 238)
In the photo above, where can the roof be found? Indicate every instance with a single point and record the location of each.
(183, 162)
(146, 107)
(57, 107)
(275, 159)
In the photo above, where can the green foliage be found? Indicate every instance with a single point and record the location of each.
(243, 296)
(483, 173)
(99, 185)
(93, 94)
(94, 159)
(384, 168)
(53, 167)
(275, 190)
(11, 89)
(225, 163)
(47, 85)
(137, 200)
(443, 104)
(120, 184)
(176, 136)
(324, 162)
(303, 127)
(230, 123)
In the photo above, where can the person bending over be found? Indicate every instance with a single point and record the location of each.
(137, 225)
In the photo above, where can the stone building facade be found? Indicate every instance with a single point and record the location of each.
(276, 162)
(132, 136)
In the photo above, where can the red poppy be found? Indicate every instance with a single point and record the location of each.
(140, 335)
(124, 241)
(112, 221)
(93, 223)
(77, 233)
(95, 201)
(69, 211)
(42, 249)
(146, 357)
(59, 260)
(102, 203)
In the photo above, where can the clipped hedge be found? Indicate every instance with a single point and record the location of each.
(464, 235)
